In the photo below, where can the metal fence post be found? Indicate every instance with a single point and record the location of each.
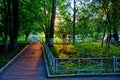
(55, 64)
(101, 63)
(114, 63)
(79, 64)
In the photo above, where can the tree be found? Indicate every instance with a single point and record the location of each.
(74, 15)
(15, 23)
(31, 19)
(111, 19)
(10, 22)
(115, 18)
(5, 29)
(52, 23)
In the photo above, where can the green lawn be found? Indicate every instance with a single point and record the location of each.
(90, 54)
(92, 49)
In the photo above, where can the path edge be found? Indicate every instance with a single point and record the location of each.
(12, 60)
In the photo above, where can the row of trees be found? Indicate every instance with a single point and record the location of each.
(84, 17)
(25, 16)
(38, 16)
(9, 22)
(91, 18)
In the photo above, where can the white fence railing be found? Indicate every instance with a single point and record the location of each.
(116, 63)
(82, 65)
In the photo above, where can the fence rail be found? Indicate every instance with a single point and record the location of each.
(82, 65)
(116, 63)
(50, 57)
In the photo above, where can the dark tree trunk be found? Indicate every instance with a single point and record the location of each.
(115, 19)
(109, 30)
(15, 22)
(46, 38)
(115, 35)
(5, 44)
(74, 22)
(10, 23)
(52, 23)
(26, 36)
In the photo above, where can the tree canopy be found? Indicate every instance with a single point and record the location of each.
(88, 18)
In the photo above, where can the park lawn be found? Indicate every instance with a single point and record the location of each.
(84, 50)
(6, 56)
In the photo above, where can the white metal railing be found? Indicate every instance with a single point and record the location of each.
(116, 63)
(82, 65)
(50, 57)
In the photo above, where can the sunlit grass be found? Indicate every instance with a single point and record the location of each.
(58, 40)
(62, 49)
(92, 49)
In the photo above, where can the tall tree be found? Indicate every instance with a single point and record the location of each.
(74, 15)
(115, 18)
(51, 37)
(46, 19)
(6, 18)
(14, 35)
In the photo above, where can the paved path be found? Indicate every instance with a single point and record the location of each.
(30, 66)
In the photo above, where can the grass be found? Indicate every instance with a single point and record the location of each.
(93, 49)
(83, 50)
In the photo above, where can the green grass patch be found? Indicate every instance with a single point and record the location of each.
(92, 49)
(83, 58)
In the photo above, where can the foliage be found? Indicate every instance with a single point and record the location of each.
(92, 17)
(30, 18)
(83, 58)
(92, 49)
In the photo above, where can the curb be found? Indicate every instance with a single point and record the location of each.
(84, 75)
(12, 60)
(46, 65)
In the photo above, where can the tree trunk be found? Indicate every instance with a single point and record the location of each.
(115, 35)
(6, 26)
(46, 38)
(26, 36)
(15, 22)
(115, 19)
(10, 22)
(52, 23)
(109, 31)
(74, 22)
(103, 37)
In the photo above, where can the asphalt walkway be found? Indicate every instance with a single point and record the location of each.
(30, 66)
